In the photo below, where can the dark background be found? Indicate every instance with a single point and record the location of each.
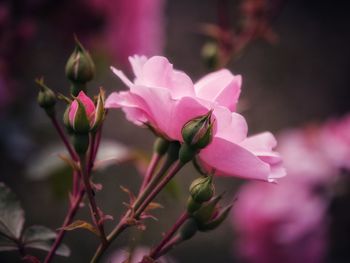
(302, 78)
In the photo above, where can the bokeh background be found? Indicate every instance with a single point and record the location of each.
(301, 77)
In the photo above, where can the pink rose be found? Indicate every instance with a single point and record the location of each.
(166, 99)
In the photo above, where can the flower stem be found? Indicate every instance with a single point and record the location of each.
(150, 170)
(64, 139)
(149, 198)
(69, 217)
(141, 203)
(181, 220)
(92, 202)
(170, 245)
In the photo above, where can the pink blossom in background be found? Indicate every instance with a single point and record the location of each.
(335, 141)
(166, 99)
(279, 223)
(287, 222)
(122, 255)
(305, 158)
(131, 27)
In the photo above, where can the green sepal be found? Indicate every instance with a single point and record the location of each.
(217, 220)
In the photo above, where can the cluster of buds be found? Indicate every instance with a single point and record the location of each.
(197, 134)
(82, 116)
(203, 208)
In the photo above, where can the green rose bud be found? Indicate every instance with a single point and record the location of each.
(217, 220)
(210, 55)
(80, 68)
(207, 210)
(197, 133)
(46, 98)
(202, 189)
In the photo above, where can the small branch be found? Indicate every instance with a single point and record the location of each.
(150, 170)
(181, 220)
(64, 139)
(92, 202)
(149, 198)
(69, 218)
(170, 245)
(141, 203)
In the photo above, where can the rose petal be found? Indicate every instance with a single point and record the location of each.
(230, 159)
(220, 86)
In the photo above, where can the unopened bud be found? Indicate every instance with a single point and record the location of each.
(207, 210)
(100, 112)
(66, 120)
(210, 55)
(80, 68)
(216, 221)
(81, 114)
(202, 189)
(78, 119)
(192, 205)
(46, 98)
(197, 133)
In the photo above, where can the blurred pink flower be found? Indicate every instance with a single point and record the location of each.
(280, 223)
(131, 27)
(304, 157)
(335, 141)
(166, 99)
(122, 255)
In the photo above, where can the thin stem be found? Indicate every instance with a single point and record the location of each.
(91, 156)
(140, 204)
(64, 139)
(170, 245)
(69, 218)
(92, 202)
(181, 220)
(173, 170)
(150, 170)
(154, 181)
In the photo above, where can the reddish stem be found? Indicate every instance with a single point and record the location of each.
(123, 224)
(173, 170)
(150, 171)
(181, 220)
(64, 139)
(92, 202)
(69, 217)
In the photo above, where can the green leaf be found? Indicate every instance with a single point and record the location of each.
(62, 250)
(11, 213)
